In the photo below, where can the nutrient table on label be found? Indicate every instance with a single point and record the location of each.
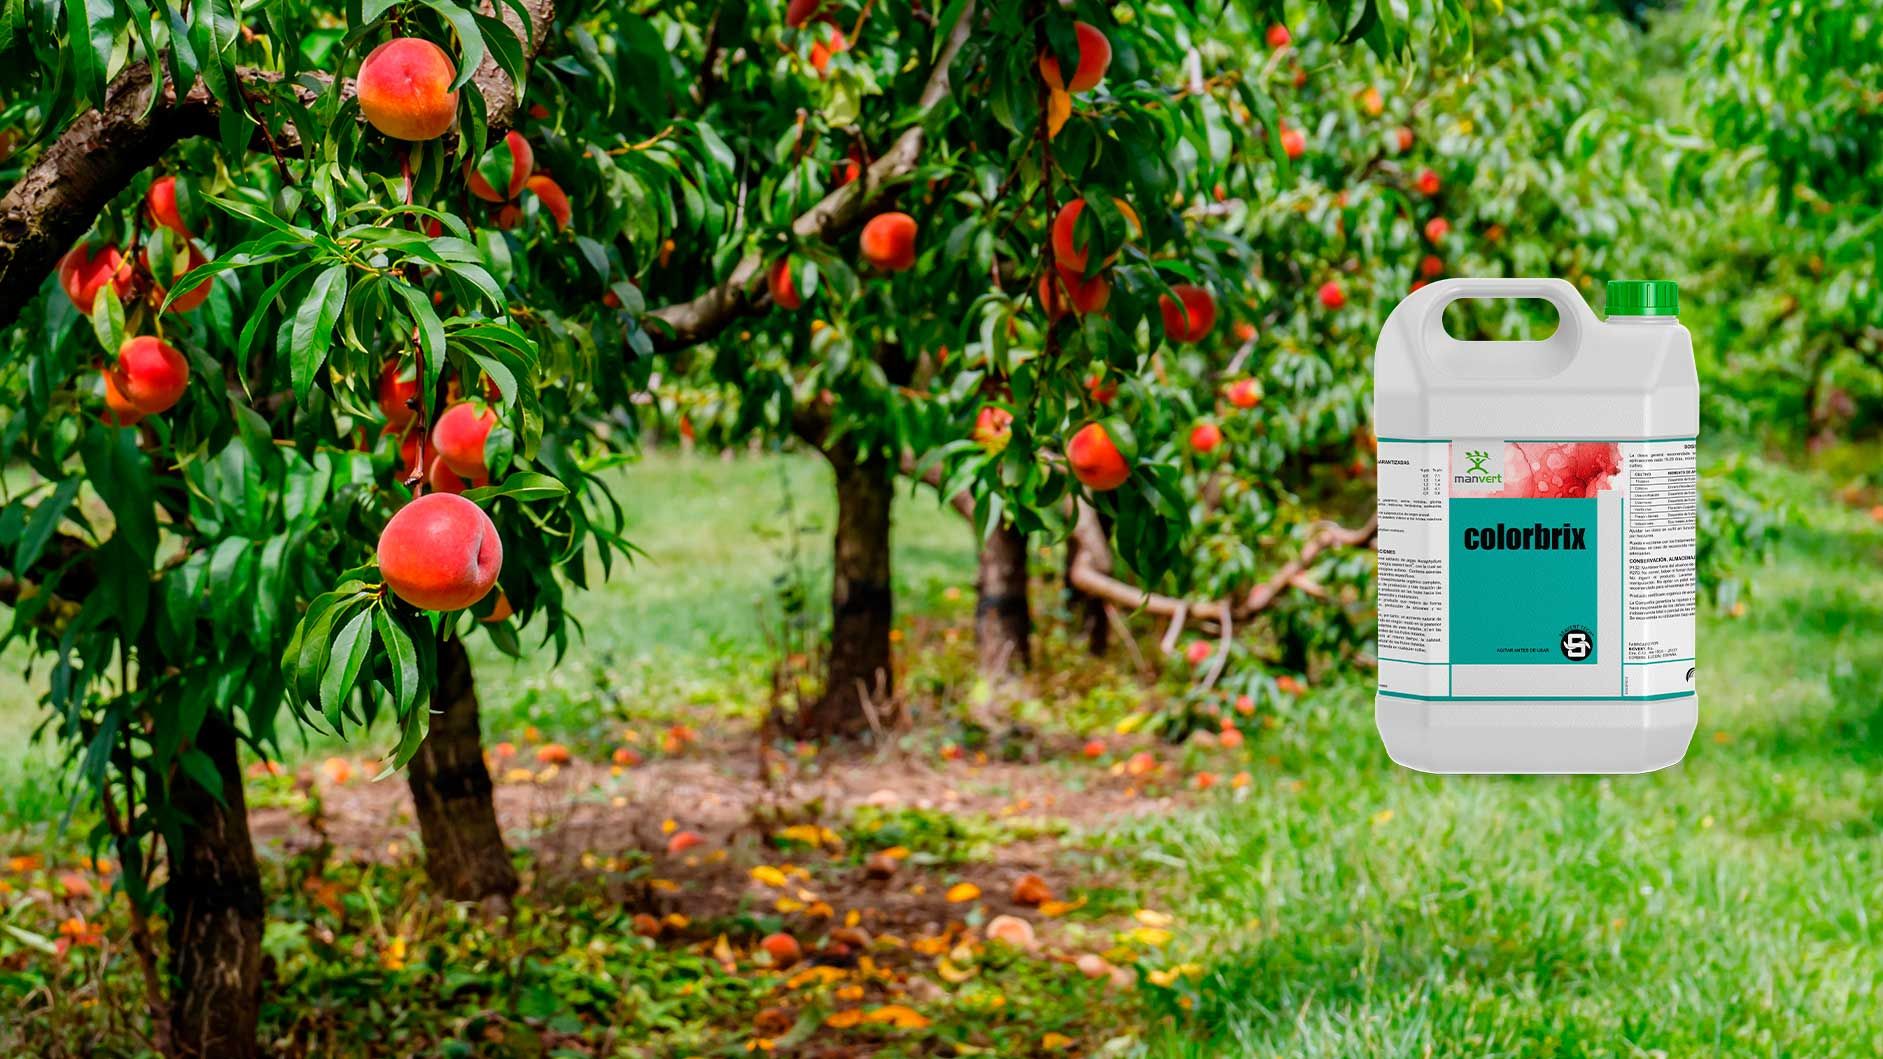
(1663, 500)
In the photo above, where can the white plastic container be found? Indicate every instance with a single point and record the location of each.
(1537, 535)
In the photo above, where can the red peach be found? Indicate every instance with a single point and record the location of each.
(1428, 182)
(150, 374)
(522, 164)
(993, 428)
(160, 205)
(1063, 290)
(1204, 437)
(459, 437)
(1430, 266)
(1198, 652)
(821, 52)
(800, 11)
(1278, 36)
(1094, 58)
(784, 291)
(1099, 390)
(498, 610)
(1436, 230)
(783, 949)
(440, 552)
(889, 241)
(1072, 255)
(84, 272)
(1402, 139)
(1095, 460)
(186, 259)
(396, 394)
(1294, 144)
(553, 198)
(1191, 315)
(1331, 296)
(119, 411)
(1244, 393)
(405, 89)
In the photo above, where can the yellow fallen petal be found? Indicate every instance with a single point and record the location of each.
(1153, 919)
(668, 826)
(770, 876)
(808, 834)
(963, 892)
(1055, 909)
(1053, 1042)
(952, 973)
(788, 905)
(1149, 936)
(1381, 817)
(843, 1020)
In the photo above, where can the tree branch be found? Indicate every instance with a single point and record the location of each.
(689, 323)
(103, 150)
(1089, 579)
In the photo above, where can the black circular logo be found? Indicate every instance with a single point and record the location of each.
(1577, 644)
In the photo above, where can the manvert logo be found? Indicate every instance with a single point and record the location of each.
(1478, 473)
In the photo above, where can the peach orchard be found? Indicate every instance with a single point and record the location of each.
(322, 327)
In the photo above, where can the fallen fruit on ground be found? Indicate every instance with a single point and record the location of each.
(150, 374)
(888, 241)
(782, 948)
(683, 841)
(1031, 890)
(1095, 459)
(440, 552)
(405, 89)
(1012, 930)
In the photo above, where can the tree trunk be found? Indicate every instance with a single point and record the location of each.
(859, 686)
(214, 895)
(1003, 623)
(465, 856)
(1089, 611)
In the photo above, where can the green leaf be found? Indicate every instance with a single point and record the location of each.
(470, 38)
(344, 658)
(45, 519)
(313, 328)
(202, 769)
(527, 485)
(107, 320)
(403, 656)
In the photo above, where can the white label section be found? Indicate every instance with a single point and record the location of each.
(1414, 583)
(1659, 586)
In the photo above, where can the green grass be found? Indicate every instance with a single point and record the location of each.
(1726, 906)
(691, 621)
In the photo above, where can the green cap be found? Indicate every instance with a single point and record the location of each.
(1643, 297)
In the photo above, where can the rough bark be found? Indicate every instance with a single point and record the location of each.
(1003, 621)
(214, 898)
(859, 683)
(1089, 547)
(465, 855)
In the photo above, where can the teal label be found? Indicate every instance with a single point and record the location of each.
(1523, 581)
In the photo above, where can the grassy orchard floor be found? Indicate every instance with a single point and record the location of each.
(1334, 905)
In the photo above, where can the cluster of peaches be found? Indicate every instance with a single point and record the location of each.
(149, 376)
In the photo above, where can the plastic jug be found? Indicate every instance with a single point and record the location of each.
(1537, 505)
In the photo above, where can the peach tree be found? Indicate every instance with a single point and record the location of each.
(299, 394)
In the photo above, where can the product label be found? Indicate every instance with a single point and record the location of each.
(1537, 569)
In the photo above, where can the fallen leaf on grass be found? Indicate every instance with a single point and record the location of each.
(1053, 1042)
(1055, 909)
(770, 876)
(903, 1018)
(963, 892)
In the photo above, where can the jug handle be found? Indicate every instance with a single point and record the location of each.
(1575, 315)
